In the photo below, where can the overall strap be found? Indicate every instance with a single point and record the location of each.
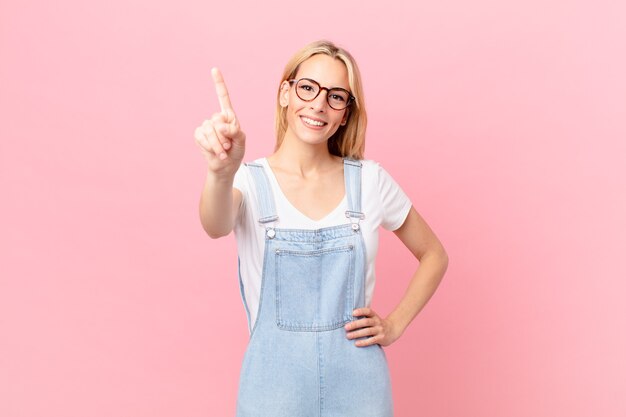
(352, 175)
(265, 197)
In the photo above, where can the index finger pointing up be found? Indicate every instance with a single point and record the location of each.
(222, 92)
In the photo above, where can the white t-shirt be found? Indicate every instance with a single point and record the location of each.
(383, 202)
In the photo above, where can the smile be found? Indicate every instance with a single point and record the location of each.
(312, 122)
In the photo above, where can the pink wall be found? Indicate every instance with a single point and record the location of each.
(504, 121)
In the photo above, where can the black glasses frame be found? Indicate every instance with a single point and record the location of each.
(351, 98)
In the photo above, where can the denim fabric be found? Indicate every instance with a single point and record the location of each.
(298, 362)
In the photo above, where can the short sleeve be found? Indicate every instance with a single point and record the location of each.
(241, 182)
(241, 179)
(395, 203)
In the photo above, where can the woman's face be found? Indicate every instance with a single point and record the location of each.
(314, 122)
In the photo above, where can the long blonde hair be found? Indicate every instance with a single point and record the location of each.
(349, 139)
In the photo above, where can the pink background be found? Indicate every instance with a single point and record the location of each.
(504, 121)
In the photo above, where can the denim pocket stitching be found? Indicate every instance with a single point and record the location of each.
(339, 317)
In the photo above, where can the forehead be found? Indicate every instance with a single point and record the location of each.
(328, 71)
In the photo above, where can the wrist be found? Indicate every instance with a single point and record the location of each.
(221, 177)
(398, 326)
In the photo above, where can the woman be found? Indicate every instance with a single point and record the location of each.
(306, 220)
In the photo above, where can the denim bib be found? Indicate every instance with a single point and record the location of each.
(298, 362)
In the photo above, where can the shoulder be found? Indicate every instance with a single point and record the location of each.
(261, 160)
(370, 169)
(370, 176)
(243, 172)
(369, 164)
(375, 176)
(366, 164)
(394, 203)
(373, 167)
(255, 162)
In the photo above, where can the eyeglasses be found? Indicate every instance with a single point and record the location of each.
(308, 89)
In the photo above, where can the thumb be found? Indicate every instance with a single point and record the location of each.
(233, 131)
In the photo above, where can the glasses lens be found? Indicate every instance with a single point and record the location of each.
(338, 99)
(307, 90)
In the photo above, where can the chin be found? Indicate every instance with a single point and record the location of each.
(315, 138)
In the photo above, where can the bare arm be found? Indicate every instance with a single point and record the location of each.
(219, 205)
(433, 262)
(222, 142)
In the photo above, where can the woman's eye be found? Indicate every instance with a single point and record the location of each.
(306, 87)
(338, 97)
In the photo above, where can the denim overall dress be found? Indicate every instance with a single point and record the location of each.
(298, 362)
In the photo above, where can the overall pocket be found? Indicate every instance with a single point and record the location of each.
(315, 288)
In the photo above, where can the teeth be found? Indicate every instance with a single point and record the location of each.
(312, 122)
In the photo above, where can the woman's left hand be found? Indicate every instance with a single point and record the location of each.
(379, 330)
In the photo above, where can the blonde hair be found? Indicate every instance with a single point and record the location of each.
(349, 139)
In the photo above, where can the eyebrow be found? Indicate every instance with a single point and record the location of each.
(309, 78)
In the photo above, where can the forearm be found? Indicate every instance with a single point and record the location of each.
(216, 204)
(422, 286)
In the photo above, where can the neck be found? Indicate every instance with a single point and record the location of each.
(303, 158)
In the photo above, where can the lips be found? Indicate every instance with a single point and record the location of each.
(312, 121)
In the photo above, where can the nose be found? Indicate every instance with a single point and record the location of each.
(320, 102)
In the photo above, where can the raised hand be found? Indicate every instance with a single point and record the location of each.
(220, 138)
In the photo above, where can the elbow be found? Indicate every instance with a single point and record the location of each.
(442, 259)
(436, 256)
(216, 233)
(215, 229)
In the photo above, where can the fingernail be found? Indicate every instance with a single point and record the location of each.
(223, 155)
(227, 145)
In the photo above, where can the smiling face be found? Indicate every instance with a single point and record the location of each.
(314, 122)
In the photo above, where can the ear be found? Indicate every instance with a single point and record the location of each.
(345, 118)
(284, 94)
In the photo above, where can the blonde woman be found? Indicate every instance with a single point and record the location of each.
(306, 221)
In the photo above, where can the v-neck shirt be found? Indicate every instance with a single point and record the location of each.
(384, 203)
(293, 211)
